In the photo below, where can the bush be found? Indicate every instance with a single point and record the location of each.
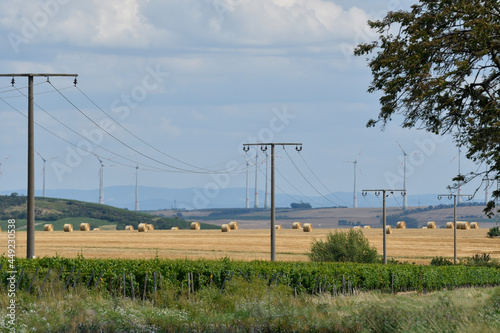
(351, 246)
(494, 232)
(441, 261)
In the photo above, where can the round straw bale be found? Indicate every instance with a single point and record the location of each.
(129, 227)
(48, 227)
(97, 229)
(233, 225)
(449, 225)
(297, 225)
(388, 229)
(225, 228)
(174, 228)
(474, 225)
(195, 226)
(367, 227)
(278, 227)
(401, 225)
(68, 227)
(84, 227)
(308, 227)
(431, 225)
(463, 225)
(143, 227)
(151, 227)
(357, 227)
(424, 227)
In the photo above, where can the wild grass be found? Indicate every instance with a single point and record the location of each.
(253, 306)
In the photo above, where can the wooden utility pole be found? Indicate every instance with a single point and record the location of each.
(30, 214)
(455, 197)
(263, 147)
(377, 193)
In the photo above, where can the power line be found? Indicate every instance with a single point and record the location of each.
(308, 180)
(319, 180)
(126, 145)
(135, 136)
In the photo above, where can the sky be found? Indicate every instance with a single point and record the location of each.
(179, 86)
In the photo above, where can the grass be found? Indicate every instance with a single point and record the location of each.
(255, 307)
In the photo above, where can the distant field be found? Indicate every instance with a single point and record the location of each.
(413, 245)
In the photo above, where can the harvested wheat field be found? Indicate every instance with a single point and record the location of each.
(413, 245)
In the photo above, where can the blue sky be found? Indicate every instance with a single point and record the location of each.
(195, 80)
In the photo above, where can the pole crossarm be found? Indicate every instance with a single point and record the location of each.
(37, 75)
(30, 210)
(454, 196)
(377, 193)
(246, 148)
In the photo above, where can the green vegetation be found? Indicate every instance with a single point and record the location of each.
(253, 306)
(350, 246)
(441, 261)
(60, 211)
(494, 232)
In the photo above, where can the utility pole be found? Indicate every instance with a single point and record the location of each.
(377, 193)
(455, 197)
(266, 201)
(30, 214)
(263, 147)
(247, 204)
(256, 200)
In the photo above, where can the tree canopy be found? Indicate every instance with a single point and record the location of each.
(438, 66)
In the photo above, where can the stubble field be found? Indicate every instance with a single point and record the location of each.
(412, 245)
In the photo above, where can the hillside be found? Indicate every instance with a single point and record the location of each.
(60, 211)
(415, 217)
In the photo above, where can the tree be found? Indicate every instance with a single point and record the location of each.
(351, 246)
(438, 66)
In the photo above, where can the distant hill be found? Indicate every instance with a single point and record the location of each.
(57, 211)
(156, 198)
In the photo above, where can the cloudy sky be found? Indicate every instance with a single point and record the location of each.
(183, 83)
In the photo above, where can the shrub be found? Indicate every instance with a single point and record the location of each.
(494, 232)
(441, 261)
(351, 246)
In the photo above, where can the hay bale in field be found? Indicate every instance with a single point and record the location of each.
(233, 225)
(431, 225)
(151, 227)
(297, 225)
(143, 227)
(401, 225)
(278, 227)
(308, 227)
(47, 227)
(463, 225)
(129, 227)
(84, 227)
(424, 227)
(174, 228)
(195, 226)
(474, 225)
(449, 225)
(225, 228)
(355, 228)
(367, 227)
(68, 227)
(97, 229)
(388, 229)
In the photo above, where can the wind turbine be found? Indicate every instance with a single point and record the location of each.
(43, 170)
(1, 165)
(405, 197)
(247, 200)
(355, 164)
(256, 200)
(101, 180)
(136, 188)
(459, 199)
